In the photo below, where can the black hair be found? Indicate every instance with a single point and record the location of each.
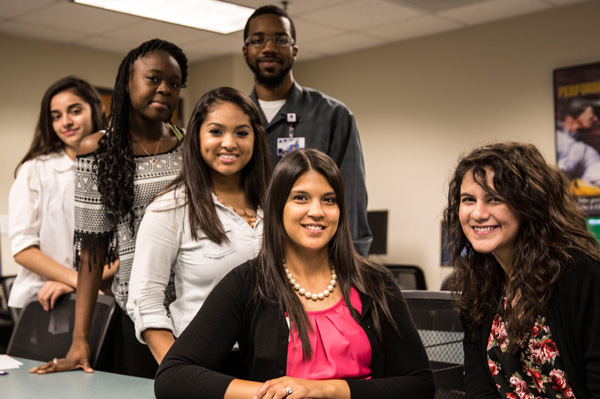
(270, 9)
(351, 268)
(195, 176)
(114, 157)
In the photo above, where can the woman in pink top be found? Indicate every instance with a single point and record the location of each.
(313, 319)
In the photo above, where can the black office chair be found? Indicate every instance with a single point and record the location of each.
(408, 277)
(446, 283)
(42, 335)
(438, 322)
(10, 314)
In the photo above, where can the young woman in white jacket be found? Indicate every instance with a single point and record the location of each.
(41, 198)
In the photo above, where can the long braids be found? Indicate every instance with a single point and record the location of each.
(114, 157)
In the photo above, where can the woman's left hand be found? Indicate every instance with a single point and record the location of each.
(276, 389)
(301, 388)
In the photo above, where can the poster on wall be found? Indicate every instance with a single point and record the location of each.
(577, 112)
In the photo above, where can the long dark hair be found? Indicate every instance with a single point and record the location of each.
(114, 156)
(351, 268)
(195, 174)
(45, 140)
(552, 231)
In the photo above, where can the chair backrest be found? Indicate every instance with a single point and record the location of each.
(7, 283)
(42, 335)
(446, 283)
(438, 321)
(408, 277)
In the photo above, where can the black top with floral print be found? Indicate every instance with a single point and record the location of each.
(535, 372)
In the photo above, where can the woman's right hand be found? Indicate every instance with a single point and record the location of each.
(77, 357)
(50, 292)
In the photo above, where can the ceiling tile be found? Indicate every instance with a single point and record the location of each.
(307, 31)
(342, 44)
(435, 5)
(358, 15)
(493, 10)
(116, 45)
(89, 19)
(16, 28)
(216, 46)
(295, 7)
(170, 32)
(15, 8)
(563, 2)
(323, 26)
(414, 27)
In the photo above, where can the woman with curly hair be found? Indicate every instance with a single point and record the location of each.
(41, 198)
(526, 277)
(119, 172)
(313, 318)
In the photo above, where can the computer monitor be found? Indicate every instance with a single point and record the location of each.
(378, 222)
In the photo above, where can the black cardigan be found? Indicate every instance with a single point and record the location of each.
(399, 366)
(574, 320)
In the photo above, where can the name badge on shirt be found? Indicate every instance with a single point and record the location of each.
(285, 145)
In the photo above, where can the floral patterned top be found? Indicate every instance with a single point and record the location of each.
(535, 372)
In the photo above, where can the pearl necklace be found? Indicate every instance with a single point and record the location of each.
(308, 294)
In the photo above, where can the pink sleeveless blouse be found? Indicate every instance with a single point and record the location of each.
(340, 347)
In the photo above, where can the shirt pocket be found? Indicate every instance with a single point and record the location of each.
(212, 250)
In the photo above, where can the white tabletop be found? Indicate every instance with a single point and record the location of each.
(19, 384)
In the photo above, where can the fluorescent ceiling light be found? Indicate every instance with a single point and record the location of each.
(213, 15)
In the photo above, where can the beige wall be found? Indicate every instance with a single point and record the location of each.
(229, 70)
(28, 68)
(418, 105)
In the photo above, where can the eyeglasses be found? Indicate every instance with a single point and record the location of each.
(259, 40)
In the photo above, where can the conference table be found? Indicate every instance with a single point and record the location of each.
(19, 384)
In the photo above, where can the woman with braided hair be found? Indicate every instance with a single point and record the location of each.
(118, 173)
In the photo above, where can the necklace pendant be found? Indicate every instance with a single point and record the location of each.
(153, 161)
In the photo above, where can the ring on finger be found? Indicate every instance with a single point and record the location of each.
(55, 360)
(288, 391)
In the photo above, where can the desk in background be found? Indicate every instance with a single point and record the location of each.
(19, 384)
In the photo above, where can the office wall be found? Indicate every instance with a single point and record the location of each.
(28, 68)
(418, 105)
(228, 70)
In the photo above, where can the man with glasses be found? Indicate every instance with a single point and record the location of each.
(297, 117)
